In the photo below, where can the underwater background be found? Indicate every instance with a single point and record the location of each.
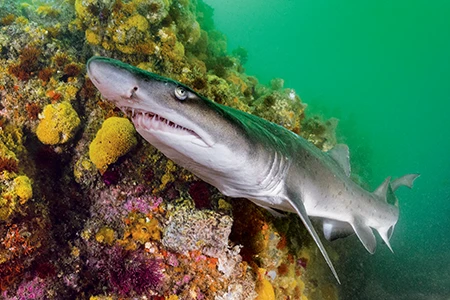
(383, 69)
(86, 213)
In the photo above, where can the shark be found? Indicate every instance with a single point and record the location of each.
(245, 156)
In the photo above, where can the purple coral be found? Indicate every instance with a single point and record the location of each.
(131, 271)
(33, 289)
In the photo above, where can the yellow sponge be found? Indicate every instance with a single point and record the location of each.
(116, 137)
(59, 123)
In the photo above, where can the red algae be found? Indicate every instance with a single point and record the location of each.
(130, 272)
(45, 74)
(33, 110)
(200, 193)
(72, 70)
(28, 65)
(9, 164)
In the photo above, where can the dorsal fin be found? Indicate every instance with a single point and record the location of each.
(406, 180)
(341, 155)
(381, 191)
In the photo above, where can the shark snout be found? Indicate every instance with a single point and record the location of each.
(114, 83)
(96, 70)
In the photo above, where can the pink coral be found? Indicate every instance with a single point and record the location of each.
(144, 204)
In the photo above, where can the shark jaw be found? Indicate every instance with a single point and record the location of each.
(158, 126)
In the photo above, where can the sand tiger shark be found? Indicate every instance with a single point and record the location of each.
(245, 156)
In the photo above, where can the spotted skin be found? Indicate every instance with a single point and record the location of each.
(248, 157)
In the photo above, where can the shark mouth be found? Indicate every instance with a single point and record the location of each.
(152, 122)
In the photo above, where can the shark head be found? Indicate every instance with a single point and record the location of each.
(185, 126)
(159, 106)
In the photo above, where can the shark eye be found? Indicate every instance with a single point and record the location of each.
(181, 93)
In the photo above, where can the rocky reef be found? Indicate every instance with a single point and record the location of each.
(87, 212)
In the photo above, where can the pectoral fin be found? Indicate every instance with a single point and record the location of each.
(300, 209)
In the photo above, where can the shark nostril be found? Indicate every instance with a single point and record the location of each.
(133, 91)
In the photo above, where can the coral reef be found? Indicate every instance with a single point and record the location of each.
(89, 210)
(320, 133)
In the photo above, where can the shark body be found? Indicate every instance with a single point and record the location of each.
(248, 157)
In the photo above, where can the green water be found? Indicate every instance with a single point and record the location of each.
(383, 69)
